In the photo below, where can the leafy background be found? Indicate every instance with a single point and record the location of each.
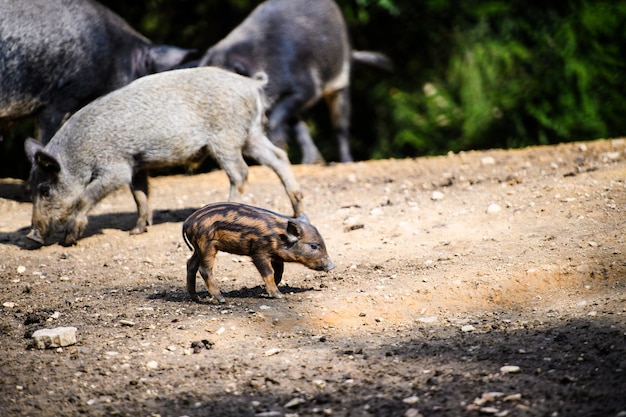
(470, 74)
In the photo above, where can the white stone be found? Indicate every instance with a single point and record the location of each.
(152, 365)
(412, 400)
(21, 269)
(487, 160)
(53, 338)
(494, 208)
(272, 351)
(295, 402)
(468, 328)
(436, 196)
(510, 369)
(430, 319)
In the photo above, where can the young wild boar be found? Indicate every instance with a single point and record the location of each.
(303, 47)
(58, 55)
(270, 239)
(172, 118)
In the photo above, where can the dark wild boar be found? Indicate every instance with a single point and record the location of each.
(270, 239)
(303, 47)
(172, 118)
(58, 55)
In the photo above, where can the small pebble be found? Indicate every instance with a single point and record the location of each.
(494, 209)
(412, 400)
(8, 304)
(510, 369)
(430, 319)
(127, 323)
(272, 351)
(514, 397)
(436, 196)
(412, 412)
(152, 365)
(468, 328)
(295, 402)
(488, 160)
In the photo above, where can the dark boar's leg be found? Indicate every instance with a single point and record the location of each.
(310, 153)
(139, 188)
(339, 106)
(264, 264)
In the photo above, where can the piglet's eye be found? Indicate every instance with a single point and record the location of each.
(314, 246)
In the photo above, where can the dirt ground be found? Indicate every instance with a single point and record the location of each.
(480, 283)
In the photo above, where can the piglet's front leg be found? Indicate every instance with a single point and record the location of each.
(264, 264)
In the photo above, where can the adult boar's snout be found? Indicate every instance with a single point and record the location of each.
(35, 236)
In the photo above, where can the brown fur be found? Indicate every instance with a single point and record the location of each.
(269, 238)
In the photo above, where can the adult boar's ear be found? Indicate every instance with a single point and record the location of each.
(164, 57)
(31, 146)
(294, 232)
(47, 162)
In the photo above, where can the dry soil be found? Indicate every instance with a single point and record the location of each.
(480, 283)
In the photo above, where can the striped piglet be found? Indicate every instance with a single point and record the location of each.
(270, 239)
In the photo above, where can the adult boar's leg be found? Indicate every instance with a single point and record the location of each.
(310, 153)
(285, 116)
(139, 188)
(264, 152)
(339, 106)
(100, 186)
(236, 169)
(77, 223)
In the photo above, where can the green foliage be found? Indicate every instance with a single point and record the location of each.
(513, 74)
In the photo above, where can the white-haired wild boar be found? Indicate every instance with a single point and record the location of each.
(172, 118)
(58, 55)
(303, 47)
(270, 239)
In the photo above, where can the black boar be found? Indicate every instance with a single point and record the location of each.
(270, 239)
(177, 117)
(303, 47)
(58, 55)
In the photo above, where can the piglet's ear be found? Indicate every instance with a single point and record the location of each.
(294, 232)
(47, 162)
